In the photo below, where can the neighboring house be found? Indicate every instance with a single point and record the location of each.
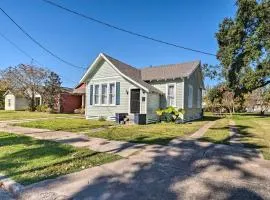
(115, 87)
(79, 90)
(67, 101)
(15, 101)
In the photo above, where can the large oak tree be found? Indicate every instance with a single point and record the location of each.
(244, 46)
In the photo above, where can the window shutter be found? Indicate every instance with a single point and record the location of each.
(117, 93)
(91, 94)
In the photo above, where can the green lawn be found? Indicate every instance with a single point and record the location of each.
(14, 115)
(160, 133)
(72, 125)
(256, 132)
(218, 133)
(28, 160)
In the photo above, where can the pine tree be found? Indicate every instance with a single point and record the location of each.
(52, 89)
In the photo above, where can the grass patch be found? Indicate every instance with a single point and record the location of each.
(255, 132)
(218, 133)
(160, 133)
(14, 115)
(72, 125)
(27, 160)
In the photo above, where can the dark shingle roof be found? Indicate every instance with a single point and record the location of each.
(171, 71)
(133, 73)
(141, 76)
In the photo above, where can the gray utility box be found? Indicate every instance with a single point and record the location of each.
(140, 118)
(119, 117)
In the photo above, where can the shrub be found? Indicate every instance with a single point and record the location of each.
(42, 108)
(170, 114)
(101, 119)
(79, 111)
(82, 111)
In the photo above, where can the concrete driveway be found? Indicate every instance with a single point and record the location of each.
(188, 170)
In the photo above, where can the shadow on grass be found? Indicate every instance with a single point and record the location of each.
(245, 135)
(29, 160)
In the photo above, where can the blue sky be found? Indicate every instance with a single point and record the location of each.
(190, 23)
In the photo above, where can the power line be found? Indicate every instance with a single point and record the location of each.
(40, 45)
(16, 46)
(127, 31)
(28, 55)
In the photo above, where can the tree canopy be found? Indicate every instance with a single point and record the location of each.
(52, 89)
(25, 80)
(244, 46)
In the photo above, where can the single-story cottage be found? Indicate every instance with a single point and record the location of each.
(114, 87)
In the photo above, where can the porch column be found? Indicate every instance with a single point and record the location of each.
(83, 100)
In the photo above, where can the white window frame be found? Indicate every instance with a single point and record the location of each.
(109, 94)
(94, 96)
(106, 94)
(167, 94)
(190, 96)
(107, 103)
(199, 97)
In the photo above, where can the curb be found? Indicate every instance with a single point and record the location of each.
(10, 185)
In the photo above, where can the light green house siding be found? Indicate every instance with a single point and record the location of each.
(195, 80)
(105, 73)
(162, 86)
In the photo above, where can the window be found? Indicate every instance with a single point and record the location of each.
(171, 95)
(199, 97)
(104, 94)
(112, 93)
(37, 101)
(96, 94)
(190, 96)
(9, 102)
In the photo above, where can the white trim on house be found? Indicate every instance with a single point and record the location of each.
(91, 68)
(94, 94)
(199, 98)
(174, 93)
(183, 94)
(190, 96)
(100, 93)
(111, 77)
(146, 96)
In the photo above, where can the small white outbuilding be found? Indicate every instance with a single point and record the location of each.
(18, 102)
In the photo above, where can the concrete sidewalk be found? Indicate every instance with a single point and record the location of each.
(121, 148)
(193, 170)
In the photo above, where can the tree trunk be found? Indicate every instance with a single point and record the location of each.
(32, 102)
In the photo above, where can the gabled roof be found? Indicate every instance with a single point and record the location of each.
(80, 89)
(132, 72)
(172, 71)
(140, 76)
